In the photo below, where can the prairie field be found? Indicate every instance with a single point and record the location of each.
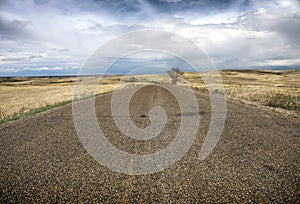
(22, 94)
(19, 95)
(278, 90)
(275, 90)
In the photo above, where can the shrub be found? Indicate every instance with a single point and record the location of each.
(285, 101)
(174, 74)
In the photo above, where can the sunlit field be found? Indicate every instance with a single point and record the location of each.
(278, 90)
(19, 95)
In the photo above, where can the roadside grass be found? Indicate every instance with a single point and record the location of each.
(272, 97)
(270, 89)
(21, 95)
(282, 100)
(21, 114)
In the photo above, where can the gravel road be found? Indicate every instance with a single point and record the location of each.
(255, 161)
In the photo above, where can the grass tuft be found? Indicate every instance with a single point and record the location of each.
(276, 89)
(285, 101)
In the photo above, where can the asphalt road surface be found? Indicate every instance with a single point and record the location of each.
(256, 160)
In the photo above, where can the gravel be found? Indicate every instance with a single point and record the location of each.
(255, 161)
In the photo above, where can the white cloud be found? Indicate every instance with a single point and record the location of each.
(65, 33)
(45, 68)
(8, 70)
(285, 62)
(226, 18)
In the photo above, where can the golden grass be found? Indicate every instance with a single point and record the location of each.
(19, 95)
(266, 88)
(280, 89)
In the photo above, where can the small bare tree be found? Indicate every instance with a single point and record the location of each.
(179, 72)
(174, 74)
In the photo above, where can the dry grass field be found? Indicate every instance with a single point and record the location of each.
(275, 90)
(19, 95)
(23, 94)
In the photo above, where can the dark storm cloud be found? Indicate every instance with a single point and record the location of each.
(63, 50)
(289, 28)
(195, 5)
(11, 59)
(140, 10)
(273, 20)
(14, 28)
(28, 58)
(98, 27)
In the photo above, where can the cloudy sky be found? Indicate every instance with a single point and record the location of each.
(56, 37)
